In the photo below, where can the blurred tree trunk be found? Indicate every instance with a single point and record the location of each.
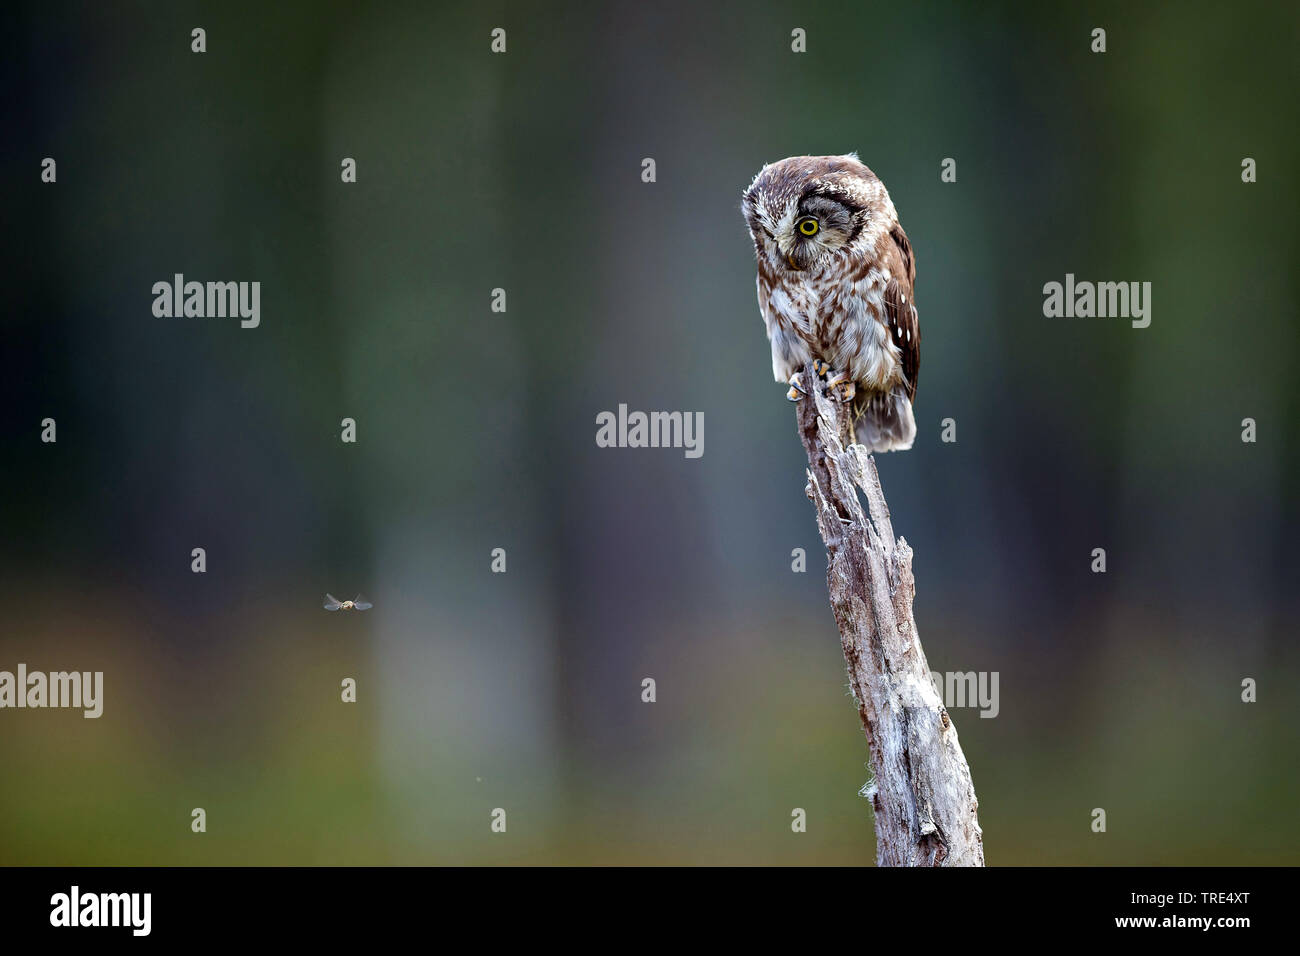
(925, 806)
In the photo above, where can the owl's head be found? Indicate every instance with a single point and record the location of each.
(806, 211)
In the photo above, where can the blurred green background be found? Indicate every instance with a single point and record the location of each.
(476, 430)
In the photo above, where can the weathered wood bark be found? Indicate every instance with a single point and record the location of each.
(922, 792)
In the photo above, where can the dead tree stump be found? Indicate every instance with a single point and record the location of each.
(924, 801)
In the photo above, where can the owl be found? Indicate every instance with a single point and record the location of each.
(835, 276)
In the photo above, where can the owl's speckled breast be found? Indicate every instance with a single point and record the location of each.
(837, 318)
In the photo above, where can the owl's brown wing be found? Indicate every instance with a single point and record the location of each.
(900, 310)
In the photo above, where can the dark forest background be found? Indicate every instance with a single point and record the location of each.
(476, 429)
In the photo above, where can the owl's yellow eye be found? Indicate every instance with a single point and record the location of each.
(808, 227)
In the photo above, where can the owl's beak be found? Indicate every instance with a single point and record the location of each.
(793, 265)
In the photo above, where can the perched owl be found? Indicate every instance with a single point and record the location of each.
(835, 275)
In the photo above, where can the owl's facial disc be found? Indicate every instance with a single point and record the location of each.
(814, 227)
(800, 225)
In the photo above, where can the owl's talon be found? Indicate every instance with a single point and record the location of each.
(820, 367)
(842, 388)
(797, 390)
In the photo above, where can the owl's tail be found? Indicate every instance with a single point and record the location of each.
(883, 420)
